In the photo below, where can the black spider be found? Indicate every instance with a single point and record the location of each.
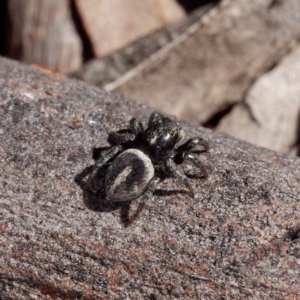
(140, 159)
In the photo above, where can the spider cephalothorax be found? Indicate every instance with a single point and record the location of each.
(140, 159)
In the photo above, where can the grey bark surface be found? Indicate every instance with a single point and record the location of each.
(239, 237)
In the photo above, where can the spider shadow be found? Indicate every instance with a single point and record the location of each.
(97, 151)
(198, 151)
(94, 196)
(98, 203)
(95, 199)
(162, 193)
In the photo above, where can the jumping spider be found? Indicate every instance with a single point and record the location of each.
(142, 158)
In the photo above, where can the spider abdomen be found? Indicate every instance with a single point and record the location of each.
(128, 176)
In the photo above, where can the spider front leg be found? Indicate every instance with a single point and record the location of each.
(191, 143)
(147, 195)
(171, 167)
(182, 153)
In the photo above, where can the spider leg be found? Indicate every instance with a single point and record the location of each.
(197, 163)
(171, 167)
(182, 152)
(127, 135)
(118, 138)
(136, 126)
(147, 195)
(102, 160)
(191, 143)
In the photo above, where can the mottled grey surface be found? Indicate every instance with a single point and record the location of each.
(237, 239)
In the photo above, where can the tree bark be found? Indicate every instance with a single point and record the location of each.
(43, 33)
(112, 25)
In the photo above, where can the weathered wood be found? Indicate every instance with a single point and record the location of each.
(238, 238)
(108, 69)
(43, 33)
(270, 114)
(213, 68)
(111, 25)
(212, 65)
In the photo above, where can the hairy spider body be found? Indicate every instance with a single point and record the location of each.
(140, 159)
(129, 175)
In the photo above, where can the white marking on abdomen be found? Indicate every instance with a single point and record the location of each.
(121, 177)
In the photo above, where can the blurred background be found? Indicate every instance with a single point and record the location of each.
(230, 65)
